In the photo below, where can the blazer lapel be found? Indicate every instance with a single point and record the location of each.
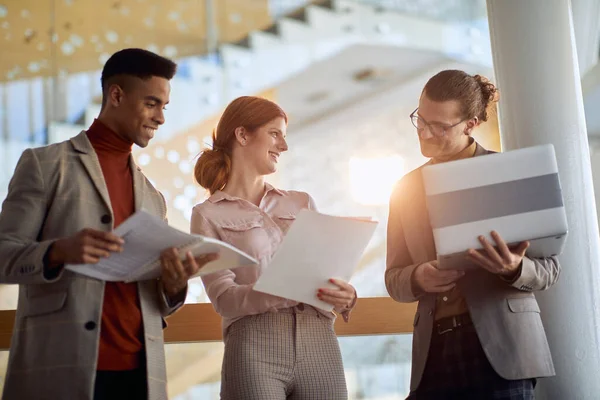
(415, 220)
(138, 183)
(89, 159)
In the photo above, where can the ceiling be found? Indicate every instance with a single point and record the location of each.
(50, 37)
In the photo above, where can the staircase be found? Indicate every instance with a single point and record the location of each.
(268, 57)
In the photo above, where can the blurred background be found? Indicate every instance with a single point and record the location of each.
(348, 73)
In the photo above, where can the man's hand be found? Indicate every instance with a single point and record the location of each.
(85, 247)
(175, 273)
(340, 298)
(500, 260)
(430, 279)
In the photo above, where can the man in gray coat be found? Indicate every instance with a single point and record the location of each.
(77, 337)
(477, 334)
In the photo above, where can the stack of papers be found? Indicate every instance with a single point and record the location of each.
(317, 247)
(146, 236)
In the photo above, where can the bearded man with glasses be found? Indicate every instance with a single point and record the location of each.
(477, 334)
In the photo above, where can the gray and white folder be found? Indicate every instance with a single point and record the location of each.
(516, 193)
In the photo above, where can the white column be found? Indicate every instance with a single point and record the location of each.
(586, 21)
(535, 63)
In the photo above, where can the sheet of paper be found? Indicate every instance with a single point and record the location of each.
(146, 236)
(229, 257)
(316, 248)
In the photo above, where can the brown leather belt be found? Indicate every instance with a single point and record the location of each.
(448, 324)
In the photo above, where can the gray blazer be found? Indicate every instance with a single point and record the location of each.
(506, 315)
(55, 192)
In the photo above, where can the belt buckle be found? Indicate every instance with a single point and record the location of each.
(455, 324)
(444, 331)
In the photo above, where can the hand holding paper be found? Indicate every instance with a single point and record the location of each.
(87, 246)
(175, 273)
(316, 248)
(341, 298)
(145, 237)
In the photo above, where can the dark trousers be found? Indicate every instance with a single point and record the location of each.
(121, 385)
(457, 368)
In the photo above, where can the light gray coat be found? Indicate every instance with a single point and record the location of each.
(55, 192)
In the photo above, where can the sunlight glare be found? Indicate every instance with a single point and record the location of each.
(372, 179)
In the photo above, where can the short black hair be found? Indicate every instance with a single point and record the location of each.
(138, 63)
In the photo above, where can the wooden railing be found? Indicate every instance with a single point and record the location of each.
(200, 323)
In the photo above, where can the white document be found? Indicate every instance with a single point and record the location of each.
(146, 236)
(317, 247)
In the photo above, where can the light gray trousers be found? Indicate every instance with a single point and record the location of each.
(292, 354)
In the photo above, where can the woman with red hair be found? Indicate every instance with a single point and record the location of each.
(275, 348)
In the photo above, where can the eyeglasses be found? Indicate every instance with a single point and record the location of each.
(438, 130)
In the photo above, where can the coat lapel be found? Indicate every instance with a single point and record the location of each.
(415, 220)
(89, 159)
(138, 183)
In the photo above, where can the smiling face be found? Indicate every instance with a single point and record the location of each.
(264, 146)
(444, 116)
(138, 109)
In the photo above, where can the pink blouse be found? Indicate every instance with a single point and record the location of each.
(258, 231)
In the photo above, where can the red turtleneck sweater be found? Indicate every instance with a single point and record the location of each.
(121, 332)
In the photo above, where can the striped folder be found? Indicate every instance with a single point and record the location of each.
(516, 193)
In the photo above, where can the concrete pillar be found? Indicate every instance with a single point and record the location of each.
(586, 21)
(535, 63)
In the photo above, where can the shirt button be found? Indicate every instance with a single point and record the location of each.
(90, 325)
(106, 219)
(300, 307)
(445, 298)
(430, 313)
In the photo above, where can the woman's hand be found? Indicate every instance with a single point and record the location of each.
(341, 298)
